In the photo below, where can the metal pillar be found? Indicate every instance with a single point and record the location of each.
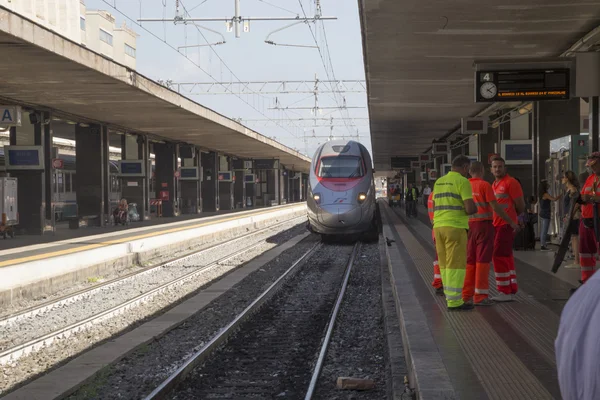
(236, 19)
(594, 140)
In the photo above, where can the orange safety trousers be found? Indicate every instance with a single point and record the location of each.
(480, 247)
(437, 274)
(504, 260)
(587, 251)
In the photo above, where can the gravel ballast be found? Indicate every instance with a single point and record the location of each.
(357, 347)
(273, 353)
(61, 350)
(210, 255)
(140, 372)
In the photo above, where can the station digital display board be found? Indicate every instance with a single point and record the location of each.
(522, 85)
(402, 162)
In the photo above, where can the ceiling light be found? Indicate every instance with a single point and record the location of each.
(495, 124)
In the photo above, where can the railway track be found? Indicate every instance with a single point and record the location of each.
(281, 339)
(13, 353)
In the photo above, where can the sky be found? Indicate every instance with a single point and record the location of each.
(249, 58)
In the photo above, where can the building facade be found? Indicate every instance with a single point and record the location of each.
(94, 29)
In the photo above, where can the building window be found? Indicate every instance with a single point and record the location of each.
(106, 37)
(82, 23)
(130, 51)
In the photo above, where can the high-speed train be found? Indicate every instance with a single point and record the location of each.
(341, 198)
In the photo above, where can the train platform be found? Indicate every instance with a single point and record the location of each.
(40, 264)
(499, 352)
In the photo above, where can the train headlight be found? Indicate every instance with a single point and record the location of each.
(362, 197)
(317, 197)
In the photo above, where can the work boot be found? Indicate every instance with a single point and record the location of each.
(439, 291)
(468, 301)
(485, 302)
(462, 307)
(502, 298)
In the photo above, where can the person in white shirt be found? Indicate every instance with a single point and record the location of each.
(426, 193)
(577, 345)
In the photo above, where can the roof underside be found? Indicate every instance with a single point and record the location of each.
(419, 58)
(41, 68)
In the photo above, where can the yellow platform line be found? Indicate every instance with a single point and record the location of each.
(58, 253)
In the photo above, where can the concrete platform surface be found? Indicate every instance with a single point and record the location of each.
(498, 352)
(32, 271)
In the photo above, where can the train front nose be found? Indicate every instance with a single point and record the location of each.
(339, 216)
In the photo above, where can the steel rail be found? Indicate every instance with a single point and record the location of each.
(14, 353)
(319, 365)
(199, 357)
(86, 292)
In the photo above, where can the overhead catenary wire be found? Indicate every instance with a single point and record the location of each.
(196, 64)
(329, 76)
(227, 66)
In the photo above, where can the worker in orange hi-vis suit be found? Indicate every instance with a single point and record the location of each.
(437, 275)
(509, 196)
(588, 242)
(480, 244)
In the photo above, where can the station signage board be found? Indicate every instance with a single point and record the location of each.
(415, 164)
(402, 162)
(522, 85)
(188, 174)
(24, 157)
(226, 176)
(424, 157)
(57, 163)
(432, 174)
(440, 148)
(132, 168)
(10, 116)
(269, 163)
(249, 178)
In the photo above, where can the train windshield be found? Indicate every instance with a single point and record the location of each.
(341, 167)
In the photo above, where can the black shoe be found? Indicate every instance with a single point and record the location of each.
(463, 307)
(544, 248)
(439, 291)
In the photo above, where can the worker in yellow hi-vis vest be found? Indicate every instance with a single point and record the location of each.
(452, 205)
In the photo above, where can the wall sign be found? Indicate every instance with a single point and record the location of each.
(522, 85)
(10, 116)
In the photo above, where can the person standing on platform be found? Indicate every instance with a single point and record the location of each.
(590, 195)
(577, 346)
(545, 212)
(572, 195)
(509, 196)
(452, 205)
(426, 193)
(481, 238)
(437, 275)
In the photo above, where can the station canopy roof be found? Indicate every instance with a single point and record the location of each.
(419, 59)
(41, 68)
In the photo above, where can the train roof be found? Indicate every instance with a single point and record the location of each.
(341, 147)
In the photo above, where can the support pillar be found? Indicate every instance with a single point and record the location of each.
(135, 189)
(165, 163)
(594, 139)
(209, 193)
(89, 160)
(190, 189)
(225, 188)
(31, 190)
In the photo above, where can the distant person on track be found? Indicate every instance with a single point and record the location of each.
(577, 345)
(437, 275)
(452, 205)
(509, 196)
(481, 238)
